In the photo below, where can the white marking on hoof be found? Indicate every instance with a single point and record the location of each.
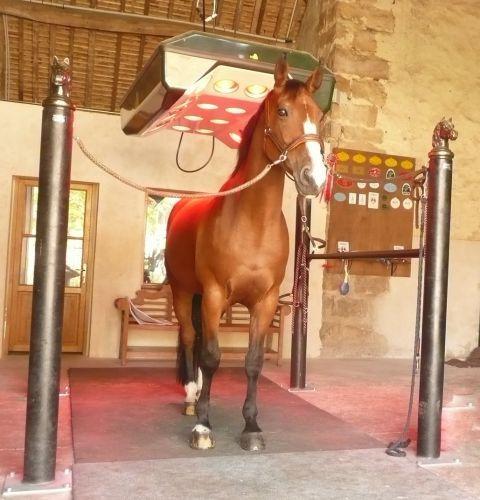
(202, 438)
(191, 392)
(201, 429)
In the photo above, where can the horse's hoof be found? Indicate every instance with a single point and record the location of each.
(189, 409)
(252, 441)
(202, 438)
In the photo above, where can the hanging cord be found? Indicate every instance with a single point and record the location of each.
(195, 169)
(177, 194)
(394, 449)
(300, 300)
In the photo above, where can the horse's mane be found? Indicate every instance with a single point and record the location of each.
(247, 135)
(292, 87)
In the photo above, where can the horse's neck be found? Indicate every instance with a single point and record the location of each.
(264, 198)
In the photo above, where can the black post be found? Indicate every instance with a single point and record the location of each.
(49, 280)
(435, 291)
(298, 364)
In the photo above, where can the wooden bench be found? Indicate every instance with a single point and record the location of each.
(158, 304)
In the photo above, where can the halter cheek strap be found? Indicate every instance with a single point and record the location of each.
(280, 145)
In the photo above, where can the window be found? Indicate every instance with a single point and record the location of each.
(158, 210)
(74, 256)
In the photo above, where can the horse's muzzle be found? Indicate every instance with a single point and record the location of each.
(307, 184)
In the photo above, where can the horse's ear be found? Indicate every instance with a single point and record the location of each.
(281, 71)
(314, 80)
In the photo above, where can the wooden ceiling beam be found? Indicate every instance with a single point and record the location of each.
(35, 62)
(261, 14)
(20, 60)
(3, 58)
(118, 22)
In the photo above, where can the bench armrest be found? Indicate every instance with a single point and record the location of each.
(122, 303)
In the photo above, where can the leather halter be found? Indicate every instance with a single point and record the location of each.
(281, 146)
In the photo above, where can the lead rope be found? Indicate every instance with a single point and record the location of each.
(394, 449)
(177, 194)
(301, 271)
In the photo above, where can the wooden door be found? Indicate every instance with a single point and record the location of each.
(79, 262)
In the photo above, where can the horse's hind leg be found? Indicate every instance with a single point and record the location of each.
(187, 370)
(260, 318)
(212, 306)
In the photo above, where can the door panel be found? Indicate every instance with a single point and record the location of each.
(81, 228)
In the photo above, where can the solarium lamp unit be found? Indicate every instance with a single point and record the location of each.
(211, 85)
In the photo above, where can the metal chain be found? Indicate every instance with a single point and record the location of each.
(395, 447)
(177, 194)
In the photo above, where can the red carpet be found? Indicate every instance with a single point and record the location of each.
(121, 414)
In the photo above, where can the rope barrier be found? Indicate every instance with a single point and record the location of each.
(176, 194)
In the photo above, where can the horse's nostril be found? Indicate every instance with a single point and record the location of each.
(306, 175)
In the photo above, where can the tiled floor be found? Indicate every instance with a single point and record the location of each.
(372, 395)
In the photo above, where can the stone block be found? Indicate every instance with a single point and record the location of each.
(348, 11)
(328, 302)
(370, 90)
(334, 131)
(354, 133)
(331, 281)
(362, 114)
(360, 145)
(380, 20)
(342, 84)
(347, 341)
(364, 41)
(370, 66)
(349, 307)
(367, 16)
(370, 285)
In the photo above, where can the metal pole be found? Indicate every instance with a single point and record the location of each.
(299, 338)
(435, 291)
(49, 280)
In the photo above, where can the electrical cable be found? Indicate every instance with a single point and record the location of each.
(195, 169)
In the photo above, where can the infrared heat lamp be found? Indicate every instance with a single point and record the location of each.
(210, 85)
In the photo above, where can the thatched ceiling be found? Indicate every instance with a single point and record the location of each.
(108, 41)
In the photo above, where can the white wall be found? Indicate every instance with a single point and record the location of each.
(395, 310)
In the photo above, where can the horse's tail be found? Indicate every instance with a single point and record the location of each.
(182, 362)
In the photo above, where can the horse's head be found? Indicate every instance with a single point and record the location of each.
(292, 121)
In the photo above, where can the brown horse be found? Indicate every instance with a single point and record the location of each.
(221, 251)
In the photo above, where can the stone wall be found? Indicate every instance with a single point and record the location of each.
(395, 80)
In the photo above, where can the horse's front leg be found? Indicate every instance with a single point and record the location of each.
(260, 318)
(212, 306)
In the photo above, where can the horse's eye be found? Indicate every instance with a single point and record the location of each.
(282, 112)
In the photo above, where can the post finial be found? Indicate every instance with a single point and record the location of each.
(60, 77)
(443, 132)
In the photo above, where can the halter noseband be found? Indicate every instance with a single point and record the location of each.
(283, 148)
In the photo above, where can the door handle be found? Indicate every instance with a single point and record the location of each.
(83, 273)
